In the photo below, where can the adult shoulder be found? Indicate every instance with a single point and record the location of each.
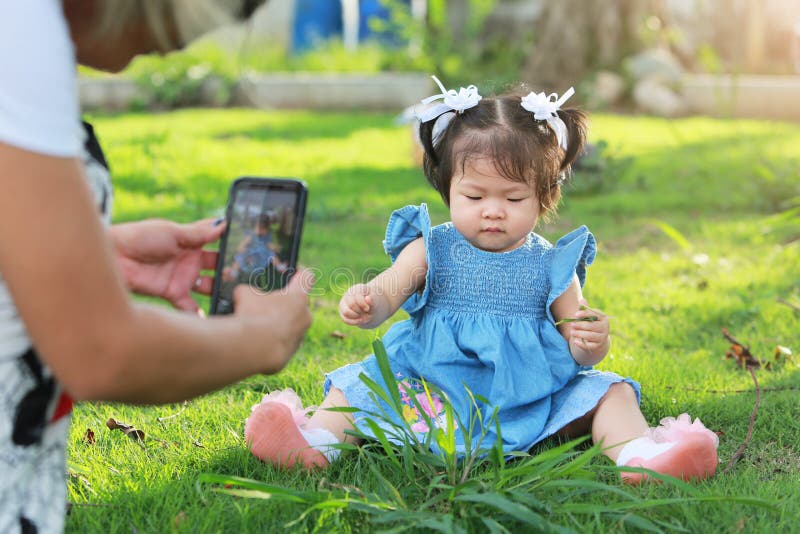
(39, 108)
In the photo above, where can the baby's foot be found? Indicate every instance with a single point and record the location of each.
(677, 447)
(289, 398)
(274, 437)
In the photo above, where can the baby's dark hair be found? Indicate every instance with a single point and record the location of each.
(265, 220)
(522, 148)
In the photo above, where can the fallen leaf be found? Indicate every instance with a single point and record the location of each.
(133, 433)
(338, 335)
(783, 352)
(89, 436)
(741, 353)
(179, 519)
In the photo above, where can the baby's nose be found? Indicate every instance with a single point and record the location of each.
(493, 211)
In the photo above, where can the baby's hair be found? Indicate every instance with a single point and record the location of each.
(522, 148)
(265, 220)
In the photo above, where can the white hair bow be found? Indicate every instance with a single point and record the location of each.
(452, 102)
(465, 98)
(544, 108)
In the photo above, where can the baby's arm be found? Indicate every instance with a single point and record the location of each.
(589, 341)
(244, 243)
(369, 305)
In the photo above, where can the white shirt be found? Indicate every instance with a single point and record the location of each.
(39, 112)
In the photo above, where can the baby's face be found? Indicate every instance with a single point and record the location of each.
(490, 211)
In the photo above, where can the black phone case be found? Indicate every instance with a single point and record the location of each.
(293, 184)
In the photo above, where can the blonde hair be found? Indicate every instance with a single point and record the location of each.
(174, 23)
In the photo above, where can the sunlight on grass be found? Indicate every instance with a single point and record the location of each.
(723, 188)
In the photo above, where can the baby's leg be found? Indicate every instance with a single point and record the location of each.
(617, 419)
(278, 435)
(678, 448)
(334, 422)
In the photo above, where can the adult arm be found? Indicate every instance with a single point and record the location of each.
(369, 305)
(60, 269)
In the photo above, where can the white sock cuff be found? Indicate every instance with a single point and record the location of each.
(644, 448)
(320, 439)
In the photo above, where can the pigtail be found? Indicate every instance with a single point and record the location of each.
(576, 123)
(430, 158)
(425, 133)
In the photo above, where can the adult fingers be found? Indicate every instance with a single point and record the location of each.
(208, 260)
(203, 285)
(197, 234)
(301, 281)
(185, 303)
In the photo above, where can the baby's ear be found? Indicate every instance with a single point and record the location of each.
(576, 123)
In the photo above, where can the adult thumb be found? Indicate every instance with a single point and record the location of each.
(303, 280)
(198, 234)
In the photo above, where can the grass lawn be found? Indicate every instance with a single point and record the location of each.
(696, 232)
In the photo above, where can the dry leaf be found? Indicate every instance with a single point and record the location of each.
(741, 353)
(783, 352)
(179, 519)
(338, 335)
(133, 433)
(89, 436)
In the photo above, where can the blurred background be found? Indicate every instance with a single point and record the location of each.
(662, 57)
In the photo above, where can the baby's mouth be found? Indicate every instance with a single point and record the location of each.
(492, 229)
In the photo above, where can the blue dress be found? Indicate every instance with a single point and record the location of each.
(482, 332)
(257, 254)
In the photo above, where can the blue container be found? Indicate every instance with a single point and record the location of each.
(315, 21)
(372, 9)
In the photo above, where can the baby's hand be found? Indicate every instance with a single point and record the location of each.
(592, 334)
(356, 306)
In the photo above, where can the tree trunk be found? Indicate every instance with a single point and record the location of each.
(755, 39)
(574, 36)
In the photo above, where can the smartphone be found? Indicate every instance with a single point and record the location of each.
(261, 241)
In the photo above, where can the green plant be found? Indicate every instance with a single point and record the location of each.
(458, 51)
(596, 170)
(476, 492)
(180, 79)
(776, 187)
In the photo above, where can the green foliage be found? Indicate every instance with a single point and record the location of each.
(179, 79)
(456, 54)
(698, 176)
(778, 186)
(440, 491)
(596, 170)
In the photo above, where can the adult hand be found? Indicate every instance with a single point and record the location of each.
(163, 259)
(282, 315)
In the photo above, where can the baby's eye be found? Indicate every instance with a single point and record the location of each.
(472, 198)
(517, 199)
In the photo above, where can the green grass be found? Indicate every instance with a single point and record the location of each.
(718, 187)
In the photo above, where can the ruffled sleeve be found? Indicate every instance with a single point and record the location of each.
(570, 256)
(405, 225)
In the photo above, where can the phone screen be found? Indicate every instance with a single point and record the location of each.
(261, 242)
